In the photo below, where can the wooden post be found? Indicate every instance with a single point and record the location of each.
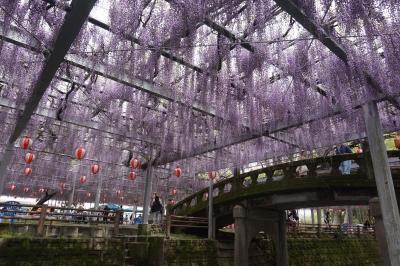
(116, 222)
(384, 181)
(42, 219)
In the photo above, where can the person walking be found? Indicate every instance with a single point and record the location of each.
(156, 210)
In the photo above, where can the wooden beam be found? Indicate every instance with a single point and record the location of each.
(69, 31)
(320, 34)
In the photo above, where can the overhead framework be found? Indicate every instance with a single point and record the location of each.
(205, 86)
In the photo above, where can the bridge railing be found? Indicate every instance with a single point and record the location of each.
(40, 215)
(316, 168)
(305, 230)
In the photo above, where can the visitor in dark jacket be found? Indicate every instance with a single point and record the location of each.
(156, 210)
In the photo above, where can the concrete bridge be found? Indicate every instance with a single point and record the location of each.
(255, 201)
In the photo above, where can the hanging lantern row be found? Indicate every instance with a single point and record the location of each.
(212, 175)
(82, 179)
(80, 153)
(178, 171)
(28, 171)
(95, 168)
(29, 157)
(132, 175)
(135, 164)
(26, 142)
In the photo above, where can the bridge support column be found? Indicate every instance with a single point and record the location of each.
(241, 255)
(282, 256)
(384, 181)
(375, 210)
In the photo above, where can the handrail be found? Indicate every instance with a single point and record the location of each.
(48, 213)
(184, 222)
(289, 169)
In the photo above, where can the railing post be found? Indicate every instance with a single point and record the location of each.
(116, 222)
(42, 219)
(210, 210)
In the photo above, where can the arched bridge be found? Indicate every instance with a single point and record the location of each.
(278, 187)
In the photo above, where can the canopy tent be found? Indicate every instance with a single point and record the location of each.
(203, 85)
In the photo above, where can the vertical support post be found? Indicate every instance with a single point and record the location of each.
(147, 192)
(241, 257)
(116, 222)
(72, 194)
(349, 215)
(5, 161)
(282, 248)
(312, 216)
(98, 192)
(384, 181)
(42, 219)
(168, 225)
(210, 210)
(379, 231)
(319, 220)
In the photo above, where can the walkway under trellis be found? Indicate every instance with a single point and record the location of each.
(195, 85)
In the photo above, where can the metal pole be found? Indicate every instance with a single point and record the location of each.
(8, 153)
(384, 181)
(71, 196)
(350, 215)
(210, 210)
(147, 192)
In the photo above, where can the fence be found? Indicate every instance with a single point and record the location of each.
(41, 214)
(315, 229)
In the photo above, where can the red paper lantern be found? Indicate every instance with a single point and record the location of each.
(80, 153)
(178, 171)
(13, 187)
(135, 164)
(26, 189)
(62, 186)
(41, 190)
(26, 142)
(82, 179)
(95, 168)
(174, 191)
(212, 175)
(88, 194)
(29, 157)
(132, 175)
(28, 171)
(119, 193)
(397, 141)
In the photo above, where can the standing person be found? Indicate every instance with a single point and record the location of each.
(345, 166)
(156, 210)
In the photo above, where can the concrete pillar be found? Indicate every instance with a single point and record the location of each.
(281, 247)
(147, 192)
(384, 181)
(241, 256)
(349, 211)
(210, 211)
(380, 231)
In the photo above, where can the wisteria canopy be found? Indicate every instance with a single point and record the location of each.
(200, 84)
